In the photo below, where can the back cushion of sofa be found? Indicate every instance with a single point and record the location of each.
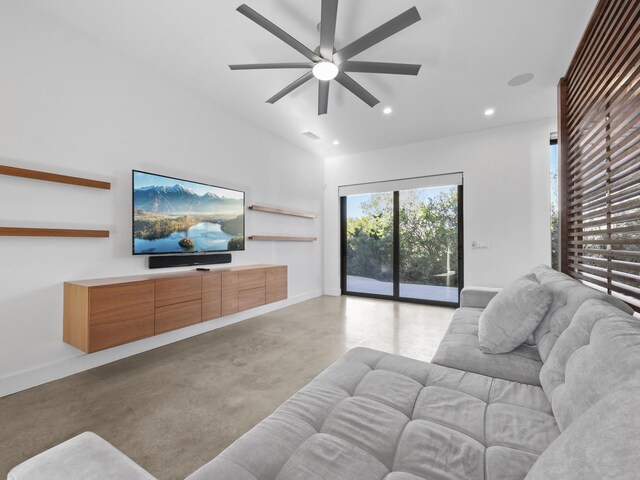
(598, 353)
(602, 444)
(568, 295)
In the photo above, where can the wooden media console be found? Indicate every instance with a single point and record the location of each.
(106, 312)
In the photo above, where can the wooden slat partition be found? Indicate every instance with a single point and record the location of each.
(599, 150)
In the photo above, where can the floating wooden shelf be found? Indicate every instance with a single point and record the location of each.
(280, 211)
(278, 238)
(53, 177)
(51, 232)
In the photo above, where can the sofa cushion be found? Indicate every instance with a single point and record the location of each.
(376, 416)
(85, 456)
(602, 444)
(460, 348)
(513, 314)
(597, 353)
(568, 295)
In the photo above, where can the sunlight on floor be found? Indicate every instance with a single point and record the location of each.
(402, 328)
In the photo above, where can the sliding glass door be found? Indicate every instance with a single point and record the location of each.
(404, 244)
(428, 244)
(369, 237)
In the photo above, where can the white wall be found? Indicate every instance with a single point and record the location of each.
(71, 106)
(506, 196)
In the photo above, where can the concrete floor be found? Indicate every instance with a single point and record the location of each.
(174, 408)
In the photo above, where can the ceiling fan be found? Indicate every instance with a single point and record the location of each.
(326, 63)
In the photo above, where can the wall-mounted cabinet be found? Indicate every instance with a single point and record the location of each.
(104, 313)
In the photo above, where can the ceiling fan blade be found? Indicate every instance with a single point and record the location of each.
(377, 35)
(272, 28)
(267, 66)
(328, 28)
(358, 90)
(323, 96)
(291, 87)
(381, 67)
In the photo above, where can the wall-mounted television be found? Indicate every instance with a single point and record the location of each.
(171, 215)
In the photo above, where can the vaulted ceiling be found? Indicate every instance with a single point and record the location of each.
(468, 49)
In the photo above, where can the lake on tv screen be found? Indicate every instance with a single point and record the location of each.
(205, 236)
(172, 216)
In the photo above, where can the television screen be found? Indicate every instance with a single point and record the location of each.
(171, 215)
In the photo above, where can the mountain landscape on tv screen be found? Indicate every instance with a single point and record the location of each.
(175, 218)
(179, 199)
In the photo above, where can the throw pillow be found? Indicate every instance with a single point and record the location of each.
(513, 314)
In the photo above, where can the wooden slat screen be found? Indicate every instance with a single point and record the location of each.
(599, 148)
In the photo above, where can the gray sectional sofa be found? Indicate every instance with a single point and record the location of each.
(567, 407)
(460, 346)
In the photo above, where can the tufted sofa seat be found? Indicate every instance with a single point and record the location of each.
(373, 415)
(460, 348)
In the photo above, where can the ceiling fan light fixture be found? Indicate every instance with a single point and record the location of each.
(325, 70)
(326, 63)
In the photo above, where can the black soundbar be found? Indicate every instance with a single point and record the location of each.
(188, 260)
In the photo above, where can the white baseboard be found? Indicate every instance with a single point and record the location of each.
(333, 292)
(54, 371)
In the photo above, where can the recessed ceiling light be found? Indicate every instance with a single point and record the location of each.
(489, 111)
(325, 70)
(336, 142)
(520, 80)
(387, 110)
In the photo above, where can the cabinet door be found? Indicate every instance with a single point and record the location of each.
(229, 292)
(250, 298)
(251, 278)
(211, 295)
(177, 290)
(120, 313)
(172, 317)
(276, 282)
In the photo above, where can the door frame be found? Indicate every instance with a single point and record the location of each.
(396, 255)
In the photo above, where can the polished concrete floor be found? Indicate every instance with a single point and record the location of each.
(174, 408)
